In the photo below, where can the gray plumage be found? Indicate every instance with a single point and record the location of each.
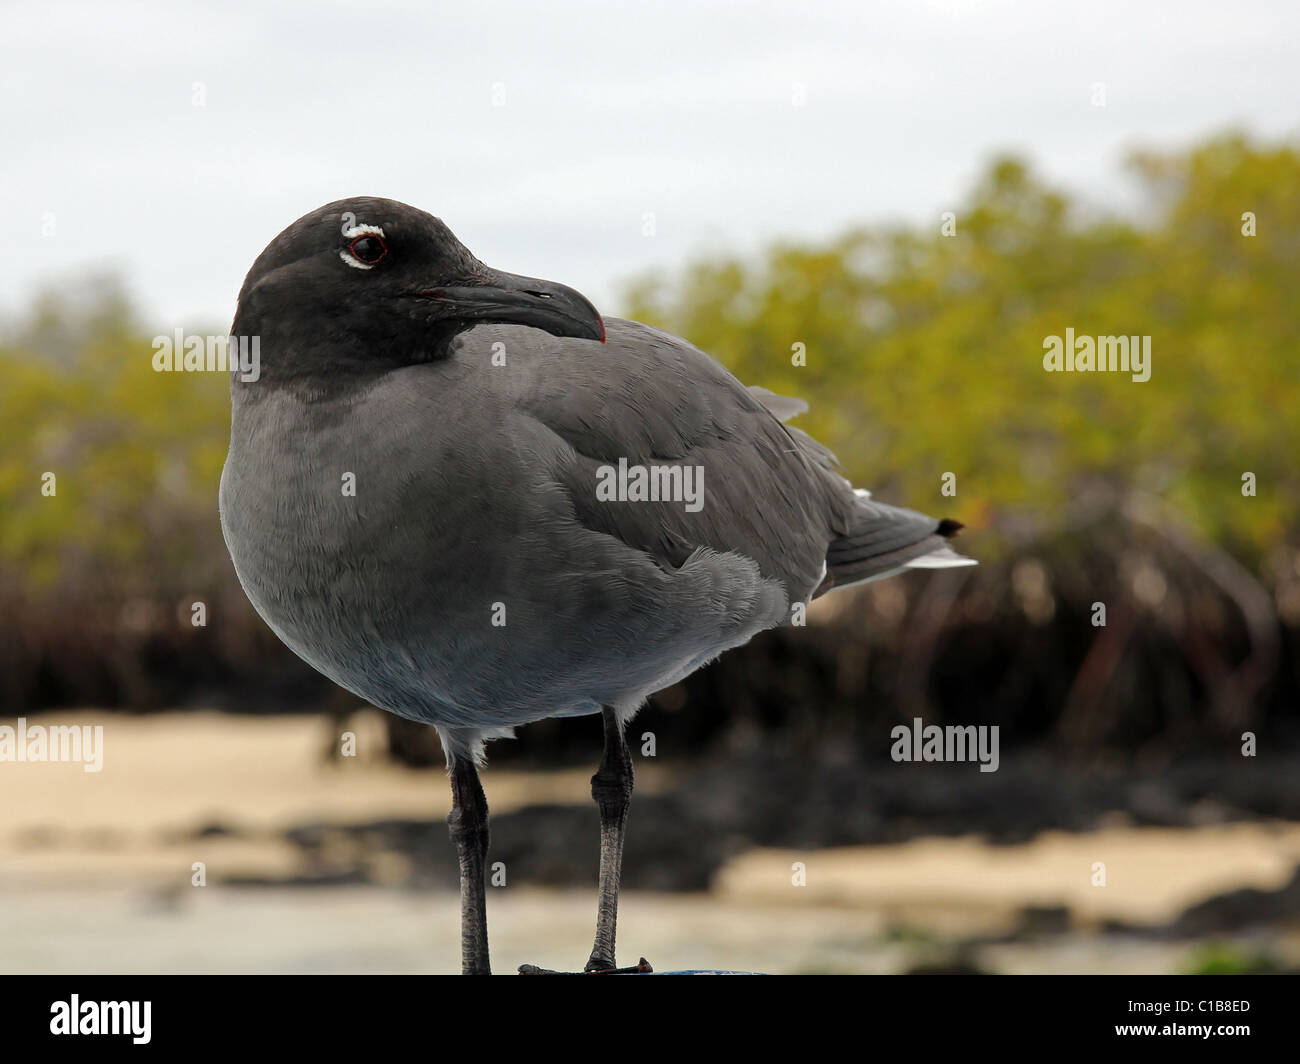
(475, 492)
(411, 502)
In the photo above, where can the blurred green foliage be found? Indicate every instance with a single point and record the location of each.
(924, 355)
(136, 455)
(924, 351)
(1223, 958)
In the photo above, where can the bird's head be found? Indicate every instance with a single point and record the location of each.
(367, 280)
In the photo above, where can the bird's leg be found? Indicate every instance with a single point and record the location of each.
(611, 787)
(468, 821)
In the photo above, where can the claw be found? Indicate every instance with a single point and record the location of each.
(642, 967)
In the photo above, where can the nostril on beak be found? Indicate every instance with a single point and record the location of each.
(540, 295)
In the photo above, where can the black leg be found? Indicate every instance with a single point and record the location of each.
(611, 787)
(468, 821)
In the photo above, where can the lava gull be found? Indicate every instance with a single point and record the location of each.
(466, 498)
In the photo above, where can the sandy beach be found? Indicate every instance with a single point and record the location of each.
(97, 874)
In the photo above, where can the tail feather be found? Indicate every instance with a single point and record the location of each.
(943, 558)
(881, 540)
(884, 540)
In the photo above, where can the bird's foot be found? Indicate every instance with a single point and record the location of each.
(642, 967)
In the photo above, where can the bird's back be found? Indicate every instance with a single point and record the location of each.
(443, 542)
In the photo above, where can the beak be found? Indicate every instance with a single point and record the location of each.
(515, 300)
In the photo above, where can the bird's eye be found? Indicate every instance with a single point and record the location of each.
(369, 249)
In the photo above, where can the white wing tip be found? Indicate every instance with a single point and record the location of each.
(943, 558)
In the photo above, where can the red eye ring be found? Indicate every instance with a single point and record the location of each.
(372, 255)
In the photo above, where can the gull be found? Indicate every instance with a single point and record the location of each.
(464, 496)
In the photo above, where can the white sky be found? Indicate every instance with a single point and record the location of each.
(610, 110)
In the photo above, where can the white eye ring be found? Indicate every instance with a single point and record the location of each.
(350, 234)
